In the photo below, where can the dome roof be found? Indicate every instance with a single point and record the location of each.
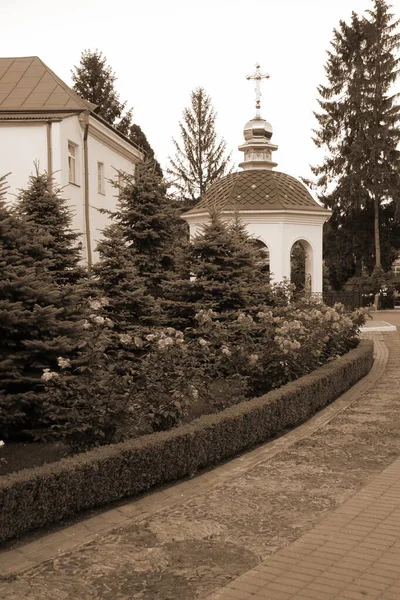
(257, 190)
(257, 128)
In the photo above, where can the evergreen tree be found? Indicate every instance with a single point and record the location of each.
(382, 179)
(136, 135)
(200, 159)
(139, 251)
(41, 203)
(117, 278)
(228, 273)
(228, 268)
(34, 327)
(94, 80)
(358, 129)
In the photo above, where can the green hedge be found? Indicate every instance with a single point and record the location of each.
(36, 497)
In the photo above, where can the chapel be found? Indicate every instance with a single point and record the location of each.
(277, 209)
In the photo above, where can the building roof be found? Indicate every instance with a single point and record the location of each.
(29, 90)
(35, 116)
(27, 84)
(257, 190)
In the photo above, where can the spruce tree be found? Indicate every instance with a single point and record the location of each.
(116, 277)
(358, 129)
(228, 273)
(382, 178)
(139, 252)
(48, 213)
(136, 135)
(200, 158)
(94, 80)
(228, 268)
(34, 327)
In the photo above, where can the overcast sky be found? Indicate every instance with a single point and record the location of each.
(161, 49)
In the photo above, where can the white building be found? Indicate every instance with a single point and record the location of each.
(278, 209)
(43, 120)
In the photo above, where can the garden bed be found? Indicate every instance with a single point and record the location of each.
(36, 497)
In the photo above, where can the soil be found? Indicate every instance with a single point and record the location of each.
(17, 456)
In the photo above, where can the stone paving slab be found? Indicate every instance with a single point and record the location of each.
(353, 554)
(185, 545)
(377, 325)
(27, 554)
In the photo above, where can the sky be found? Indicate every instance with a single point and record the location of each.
(161, 50)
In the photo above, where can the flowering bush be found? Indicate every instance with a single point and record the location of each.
(149, 378)
(88, 396)
(164, 378)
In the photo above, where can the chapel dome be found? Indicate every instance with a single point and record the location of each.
(257, 128)
(257, 190)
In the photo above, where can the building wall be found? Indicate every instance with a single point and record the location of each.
(113, 162)
(70, 130)
(20, 145)
(24, 143)
(279, 232)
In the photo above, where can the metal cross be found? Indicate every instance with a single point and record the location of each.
(257, 76)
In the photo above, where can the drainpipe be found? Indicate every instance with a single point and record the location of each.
(86, 193)
(49, 157)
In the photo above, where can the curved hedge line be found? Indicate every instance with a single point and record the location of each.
(36, 497)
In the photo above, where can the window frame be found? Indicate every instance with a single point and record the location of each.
(72, 162)
(101, 185)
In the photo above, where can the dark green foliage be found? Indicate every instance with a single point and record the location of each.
(228, 274)
(103, 475)
(140, 249)
(200, 159)
(359, 131)
(94, 80)
(117, 278)
(87, 397)
(48, 214)
(297, 268)
(136, 135)
(35, 328)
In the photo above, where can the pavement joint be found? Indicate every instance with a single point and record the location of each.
(355, 541)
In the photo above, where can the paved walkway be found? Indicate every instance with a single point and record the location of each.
(314, 514)
(353, 554)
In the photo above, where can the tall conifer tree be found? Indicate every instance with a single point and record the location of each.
(94, 80)
(228, 273)
(42, 204)
(35, 329)
(200, 158)
(139, 252)
(359, 131)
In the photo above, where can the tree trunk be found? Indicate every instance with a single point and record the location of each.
(377, 233)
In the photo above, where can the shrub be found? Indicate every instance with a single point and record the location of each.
(33, 498)
(88, 397)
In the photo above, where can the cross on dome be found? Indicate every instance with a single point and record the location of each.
(257, 77)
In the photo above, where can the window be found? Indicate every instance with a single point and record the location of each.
(72, 162)
(100, 178)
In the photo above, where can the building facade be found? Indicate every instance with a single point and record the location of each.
(277, 209)
(43, 121)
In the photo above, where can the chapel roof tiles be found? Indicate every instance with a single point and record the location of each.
(257, 190)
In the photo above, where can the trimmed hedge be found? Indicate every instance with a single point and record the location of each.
(36, 497)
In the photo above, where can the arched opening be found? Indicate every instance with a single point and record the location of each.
(265, 254)
(301, 266)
